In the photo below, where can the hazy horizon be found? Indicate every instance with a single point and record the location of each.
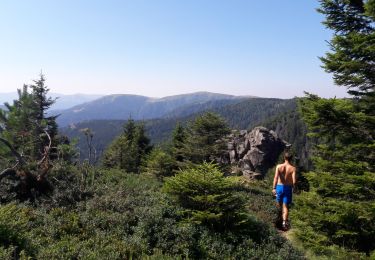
(98, 94)
(164, 48)
(339, 94)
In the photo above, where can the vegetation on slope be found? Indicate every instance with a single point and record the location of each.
(55, 207)
(94, 213)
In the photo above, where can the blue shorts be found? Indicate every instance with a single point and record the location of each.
(284, 194)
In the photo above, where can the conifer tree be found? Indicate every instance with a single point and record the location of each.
(179, 135)
(129, 149)
(41, 103)
(28, 140)
(207, 197)
(339, 210)
(159, 163)
(205, 139)
(25, 123)
(16, 122)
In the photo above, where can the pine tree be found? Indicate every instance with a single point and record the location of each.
(25, 123)
(16, 122)
(129, 149)
(339, 210)
(179, 136)
(41, 103)
(28, 140)
(160, 164)
(352, 46)
(205, 139)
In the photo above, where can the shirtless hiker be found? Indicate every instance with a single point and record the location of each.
(283, 184)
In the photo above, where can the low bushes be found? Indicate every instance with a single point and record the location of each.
(128, 216)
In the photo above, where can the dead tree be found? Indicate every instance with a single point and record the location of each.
(32, 178)
(92, 154)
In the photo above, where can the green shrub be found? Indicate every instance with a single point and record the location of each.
(160, 164)
(14, 237)
(207, 197)
(8, 253)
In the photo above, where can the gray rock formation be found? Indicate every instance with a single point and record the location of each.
(253, 153)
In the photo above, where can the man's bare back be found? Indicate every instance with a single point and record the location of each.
(285, 174)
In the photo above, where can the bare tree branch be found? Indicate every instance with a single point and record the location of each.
(8, 171)
(46, 149)
(44, 162)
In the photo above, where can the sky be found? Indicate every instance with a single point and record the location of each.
(165, 47)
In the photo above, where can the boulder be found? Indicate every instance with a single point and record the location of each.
(254, 152)
(232, 156)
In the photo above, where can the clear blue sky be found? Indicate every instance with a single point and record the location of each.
(165, 47)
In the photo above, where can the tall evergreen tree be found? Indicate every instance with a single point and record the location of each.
(16, 122)
(339, 210)
(179, 136)
(28, 137)
(41, 103)
(160, 164)
(129, 149)
(352, 46)
(205, 139)
(25, 123)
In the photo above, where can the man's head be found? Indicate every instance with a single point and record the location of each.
(288, 156)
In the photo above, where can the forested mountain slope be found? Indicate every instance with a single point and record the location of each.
(121, 107)
(290, 126)
(277, 114)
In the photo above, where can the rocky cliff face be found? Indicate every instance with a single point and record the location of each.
(253, 153)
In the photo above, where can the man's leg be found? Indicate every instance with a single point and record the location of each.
(287, 200)
(279, 219)
(279, 205)
(285, 224)
(285, 212)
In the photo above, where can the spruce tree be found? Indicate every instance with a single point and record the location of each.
(41, 103)
(160, 164)
(339, 210)
(26, 124)
(29, 143)
(16, 123)
(179, 136)
(205, 139)
(128, 151)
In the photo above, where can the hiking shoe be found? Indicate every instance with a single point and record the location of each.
(285, 226)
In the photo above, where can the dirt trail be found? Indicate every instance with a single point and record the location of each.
(286, 234)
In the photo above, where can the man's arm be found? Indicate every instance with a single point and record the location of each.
(294, 177)
(275, 179)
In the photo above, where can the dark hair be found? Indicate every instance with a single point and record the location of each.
(288, 156)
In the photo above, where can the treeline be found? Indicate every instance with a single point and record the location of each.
(244, 114)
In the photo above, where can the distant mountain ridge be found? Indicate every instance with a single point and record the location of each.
(122, 107)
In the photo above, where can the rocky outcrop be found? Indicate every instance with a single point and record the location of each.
(253, 153)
